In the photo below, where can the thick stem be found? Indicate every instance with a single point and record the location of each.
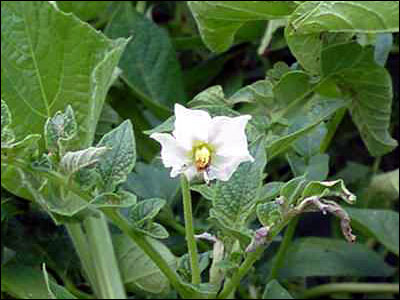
(190, 239)
(283, 249)
(362, 288)
(105, 262)
(153, 254)
(81, 246)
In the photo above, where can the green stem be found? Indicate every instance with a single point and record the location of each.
(362, 288)
(190, 239)
(332, 128)
(243, 270)
(283, 249)
(81, 246)
(148, 248)
(105, 262)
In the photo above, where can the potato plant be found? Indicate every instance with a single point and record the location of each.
(199, 149)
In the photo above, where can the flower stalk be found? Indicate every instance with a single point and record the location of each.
(190, 237)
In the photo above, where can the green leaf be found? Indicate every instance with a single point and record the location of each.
(85, 10)
(293, 189)
(73, 162)
(274, 290)
(315, 168)
(154, 230)
(381, 224)
(370, 88)
(270, 191)
(45, 66)
(146, 210)
(137, 269)
(152, 181)
(305, 119)
(386, 184)
(259, 92)
(293, 86)
(236, 198)
(150, 66)
(8, 209)
(327, 257)
(335, 188)
(112, 200)
(7, 135)
(25, 282)
(314, 17)
(119, 161)
(310, 145)
(269, 214)
(218, 21)
(56, 291)
(60, 129)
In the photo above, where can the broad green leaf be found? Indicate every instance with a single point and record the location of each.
(146, 210)
(382, 224)
(73, 162)
(269, 214)
(310, 145)
(85, 10)
(219, 21)
(152, 181)
(154, 230)
(150, 66)
(293, 189)
(274, 290)
(312, 18)
(60, 129)
(327, 257)
(24, 282)
(138, 271)
(313, 168)
(370, 88)
(259, 92)
(45, 67)
(305, 119)
(119, 161)
(293, 86)
(270, 191)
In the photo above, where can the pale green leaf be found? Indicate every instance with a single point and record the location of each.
(313, 168)
(219, 21)
(122, 199)
(85, 10)
(119, 161)
(73, 162)
(322, 189)
(381, 224)
(55, 290)
(312, 18)
(137, 269)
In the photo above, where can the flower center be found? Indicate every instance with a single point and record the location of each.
(202, 157)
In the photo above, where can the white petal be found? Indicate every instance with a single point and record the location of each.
(190, 126)
(223, 167)
(172, 154)
(228, 136)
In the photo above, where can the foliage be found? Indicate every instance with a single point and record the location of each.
(89, 211)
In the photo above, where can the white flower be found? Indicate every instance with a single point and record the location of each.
(201, 145)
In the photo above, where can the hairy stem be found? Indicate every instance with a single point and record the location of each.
(105, 262)
(362, 288)
(81, 246)
(151, 252)
(283, 249)
(190, 239)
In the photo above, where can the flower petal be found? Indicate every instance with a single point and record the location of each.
(172, 154)
(228, 136)
(190, 126)
(223, 167)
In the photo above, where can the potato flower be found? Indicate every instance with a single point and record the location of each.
(204, 146)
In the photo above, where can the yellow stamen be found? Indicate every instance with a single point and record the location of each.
(202, 157)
